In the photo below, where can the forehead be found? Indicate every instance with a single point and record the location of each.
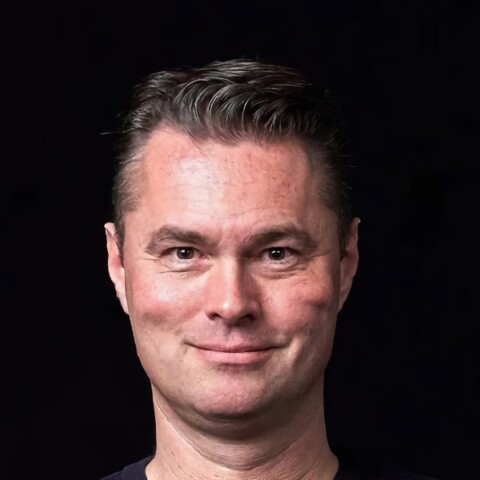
(175, 155)
(180, 177)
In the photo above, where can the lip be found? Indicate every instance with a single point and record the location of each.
(234, 354)
(240, 348)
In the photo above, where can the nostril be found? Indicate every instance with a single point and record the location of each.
(242, 309)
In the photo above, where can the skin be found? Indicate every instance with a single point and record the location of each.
(231, 249)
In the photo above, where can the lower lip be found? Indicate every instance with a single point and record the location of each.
(234, 358)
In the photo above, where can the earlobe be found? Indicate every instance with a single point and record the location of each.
(115, 265)
(349, 262)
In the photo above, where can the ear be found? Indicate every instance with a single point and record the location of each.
(115, 265)
(349, 262)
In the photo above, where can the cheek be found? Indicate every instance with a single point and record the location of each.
(157, 296)
(307, 302)
(305, 312)
(159, 312)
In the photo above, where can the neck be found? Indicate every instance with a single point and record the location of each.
(294, 448)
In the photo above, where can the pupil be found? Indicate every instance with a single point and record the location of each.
(277, 253)
(185, 253)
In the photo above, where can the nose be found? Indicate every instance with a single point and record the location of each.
(231, 294)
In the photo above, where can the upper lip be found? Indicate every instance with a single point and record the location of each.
(233, 348)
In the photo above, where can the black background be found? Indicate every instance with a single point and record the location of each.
(403, 383)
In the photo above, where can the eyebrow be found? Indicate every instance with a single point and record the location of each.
(281, 232)
(170, 233)
(274, 233)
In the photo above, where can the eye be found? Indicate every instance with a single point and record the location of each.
(277, 253)
(183, 259)
(184, 253)
(280, 258)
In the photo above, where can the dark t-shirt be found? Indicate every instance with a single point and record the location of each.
(136, 471)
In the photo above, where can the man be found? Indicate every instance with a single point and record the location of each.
(233, 249)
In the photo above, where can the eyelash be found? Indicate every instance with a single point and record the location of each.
(286, 250)
(177, 249)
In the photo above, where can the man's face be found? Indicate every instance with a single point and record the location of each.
(231, 275)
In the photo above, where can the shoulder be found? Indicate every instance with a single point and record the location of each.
(135, 471)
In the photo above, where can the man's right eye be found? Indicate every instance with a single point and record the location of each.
(182, 259)
(184, 253)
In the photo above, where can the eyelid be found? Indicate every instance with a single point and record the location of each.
(281, 247)
(290, 252)
(171, 250)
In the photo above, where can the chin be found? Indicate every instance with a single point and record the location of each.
(231, 412)
(232, 421)
(231, 406)
(220, 397)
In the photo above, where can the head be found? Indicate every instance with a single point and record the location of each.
(233, 247)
